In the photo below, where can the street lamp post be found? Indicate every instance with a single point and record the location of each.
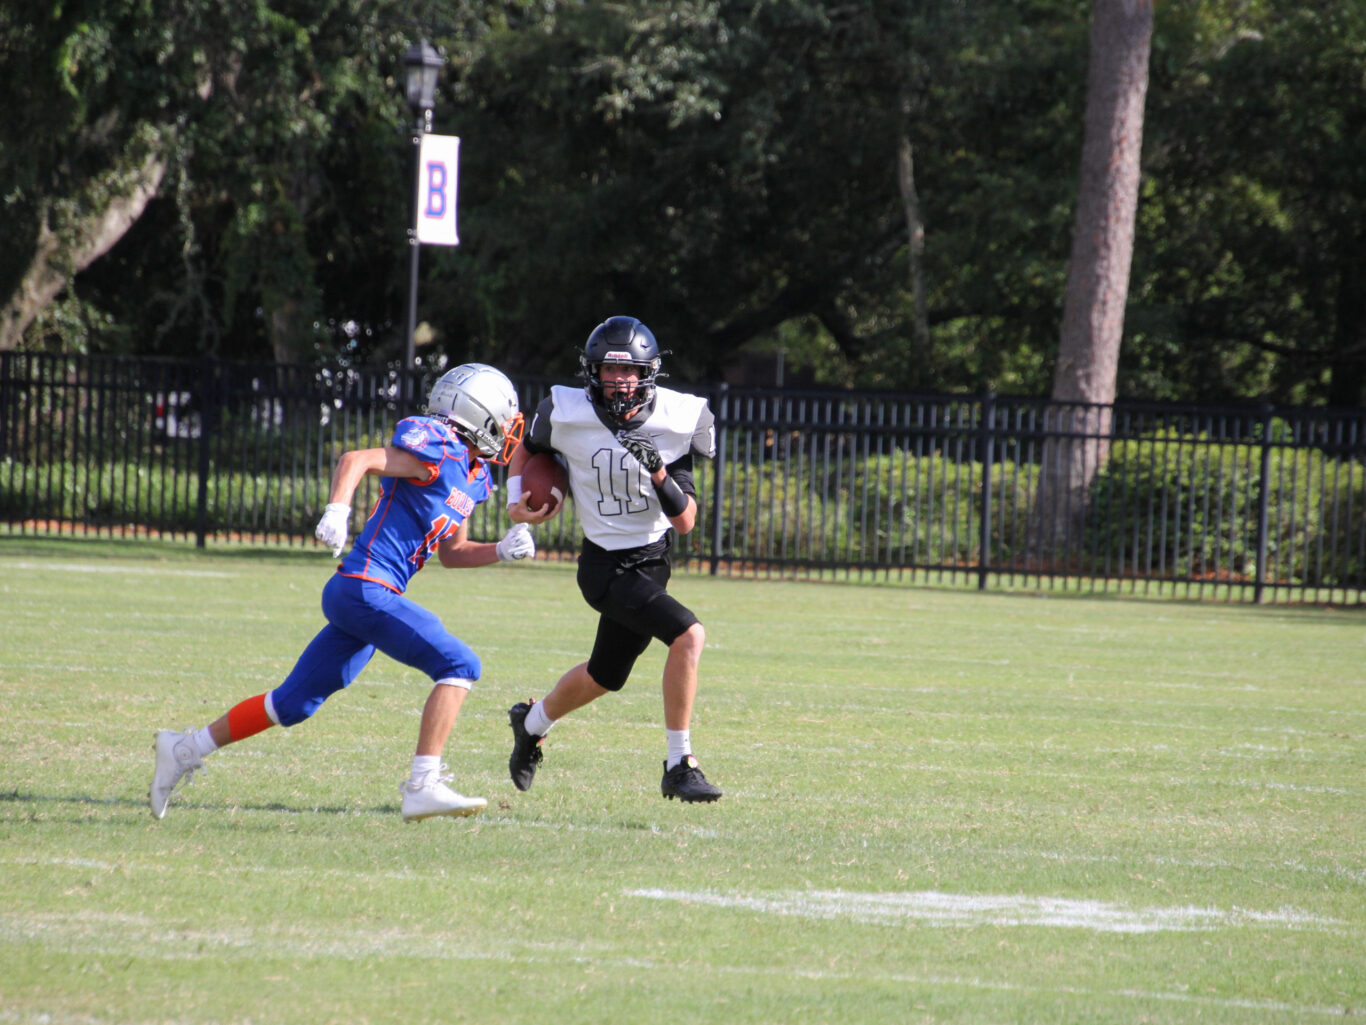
(421, 65)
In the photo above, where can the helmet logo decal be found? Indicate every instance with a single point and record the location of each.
(618, 356)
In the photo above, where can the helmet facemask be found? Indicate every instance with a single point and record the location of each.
(612, 397)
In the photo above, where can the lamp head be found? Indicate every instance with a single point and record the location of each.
(421, 65)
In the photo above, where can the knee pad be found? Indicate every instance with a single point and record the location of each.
(446, 659)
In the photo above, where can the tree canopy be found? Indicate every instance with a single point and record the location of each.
(726, 171)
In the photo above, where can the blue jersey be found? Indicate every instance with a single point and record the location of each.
(412, 516)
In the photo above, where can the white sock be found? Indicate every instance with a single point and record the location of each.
(680, 746)
(537, 722)
(424, 766)
(203, 742)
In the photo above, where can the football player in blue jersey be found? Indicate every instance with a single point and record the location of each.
(434, 473)
(628, 446)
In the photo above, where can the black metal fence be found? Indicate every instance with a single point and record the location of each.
(1233, 503)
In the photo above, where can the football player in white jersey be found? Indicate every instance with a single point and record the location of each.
(628, 445)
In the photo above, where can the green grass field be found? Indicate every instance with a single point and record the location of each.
(940, 807)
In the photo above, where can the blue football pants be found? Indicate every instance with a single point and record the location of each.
(363, 618)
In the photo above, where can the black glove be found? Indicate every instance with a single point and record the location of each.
(640, 446)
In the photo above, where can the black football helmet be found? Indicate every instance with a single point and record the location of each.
(621, 340)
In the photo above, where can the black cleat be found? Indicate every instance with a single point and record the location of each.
(526, 747)
(686, 782)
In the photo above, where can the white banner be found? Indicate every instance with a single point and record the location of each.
(438, 172)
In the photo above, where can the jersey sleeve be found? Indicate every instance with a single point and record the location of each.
(537, 438)
(419, 437)
(704, 435)
(681, 471)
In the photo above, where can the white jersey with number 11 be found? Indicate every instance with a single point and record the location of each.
(613, 496)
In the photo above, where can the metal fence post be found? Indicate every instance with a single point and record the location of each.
(208, 422)
(718, 472)
(1263, 505)
(986, 433)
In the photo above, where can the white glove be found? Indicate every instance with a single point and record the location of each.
(517, 544)
(332, 528)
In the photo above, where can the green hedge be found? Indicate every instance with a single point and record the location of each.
(159, 498)
(1189, 507)
(896, 509)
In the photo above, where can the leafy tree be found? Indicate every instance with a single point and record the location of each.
(724, 170)
(248, 155)
(87, 140)
(1000, 159)
(737, 174)
(1249, 279)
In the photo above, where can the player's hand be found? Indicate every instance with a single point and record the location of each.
(523, 513)
(640, 446)
(516, 544)
(332, 528)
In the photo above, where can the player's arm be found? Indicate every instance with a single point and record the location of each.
(680, 471)
(389, 461)
(537, 439)
(352, 467)
(666, 481)
(457, 551)
(676, 499)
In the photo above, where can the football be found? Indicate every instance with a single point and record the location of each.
(544, 480)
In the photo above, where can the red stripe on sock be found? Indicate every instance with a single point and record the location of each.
(248, 718)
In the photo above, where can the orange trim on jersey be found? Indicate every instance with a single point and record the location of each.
(386, 500)
(248, 718)
(369, 579)
(433, 472)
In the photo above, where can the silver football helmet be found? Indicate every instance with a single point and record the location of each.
(480, 404)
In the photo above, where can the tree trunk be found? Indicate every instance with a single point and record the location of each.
(60, 254)
(290, 305)
(915, 236)
(1078, 423)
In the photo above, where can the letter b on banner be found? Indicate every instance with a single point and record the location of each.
(436, 191)
(439, 160)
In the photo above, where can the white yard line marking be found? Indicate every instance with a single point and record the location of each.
(95, 567)
(107, 933)
(950, 909)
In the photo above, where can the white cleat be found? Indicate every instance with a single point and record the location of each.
(177, 758)
(432, 797)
